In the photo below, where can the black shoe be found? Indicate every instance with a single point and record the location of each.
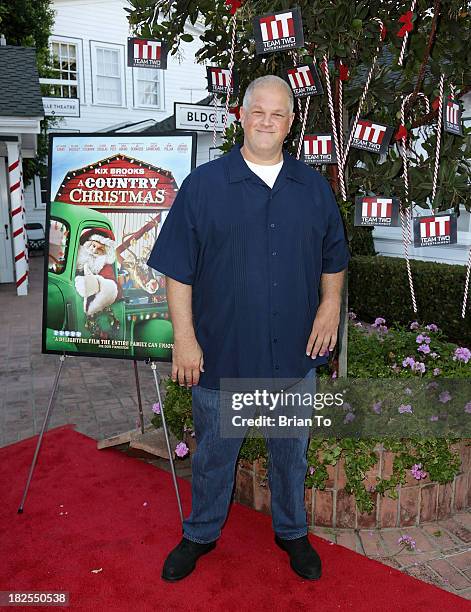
(182, 559)
(304, 560)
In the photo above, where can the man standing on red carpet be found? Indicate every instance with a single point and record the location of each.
(254, 252)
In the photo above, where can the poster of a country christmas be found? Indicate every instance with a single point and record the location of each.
(109, 197)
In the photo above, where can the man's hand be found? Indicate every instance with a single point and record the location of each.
(324, 329)
(187, 361)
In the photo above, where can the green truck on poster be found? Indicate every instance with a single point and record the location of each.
(101, 300)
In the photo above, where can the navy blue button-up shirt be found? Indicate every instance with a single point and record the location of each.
(254, 257)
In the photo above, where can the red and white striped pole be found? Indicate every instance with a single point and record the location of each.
(17, 210)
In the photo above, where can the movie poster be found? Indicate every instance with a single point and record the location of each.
(109, 197)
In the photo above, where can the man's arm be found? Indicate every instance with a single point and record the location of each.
(325, 327)
(187, 356)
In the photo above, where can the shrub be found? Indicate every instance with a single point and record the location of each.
(379, 286)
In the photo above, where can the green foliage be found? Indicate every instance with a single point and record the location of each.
(347, 30)
(379, 287)
(372, 355)
(177, 406)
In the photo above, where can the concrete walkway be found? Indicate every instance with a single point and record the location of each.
(99, 397)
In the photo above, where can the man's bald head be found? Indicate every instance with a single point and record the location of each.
(269, 80)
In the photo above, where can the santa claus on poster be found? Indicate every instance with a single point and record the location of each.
(96, 281)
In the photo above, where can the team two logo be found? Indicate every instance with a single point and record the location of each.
(452, 112)
(319, 149)
(438, 230)
(304, 81)
(371, 136)
(376, 210)
(144, 53)
(219, 79)
(278, 31)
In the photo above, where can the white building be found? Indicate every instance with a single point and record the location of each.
(89, 46)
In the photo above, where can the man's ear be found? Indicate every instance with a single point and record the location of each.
(291, 120)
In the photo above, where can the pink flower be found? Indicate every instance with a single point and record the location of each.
(436, 371)
(351, 315)
(424, 348)
(405, 408)
(421, 339)
(379, 321)
(444, 397)
(434, 417)
(414, 325)
(408, 361)
(181, 449)
(377, 406)
(467, 408)
(419, 367)
(432, 327)
(417, 471)
(383, 329)
(407, 541)
(462, 354)
(156, 408)
(311, 470)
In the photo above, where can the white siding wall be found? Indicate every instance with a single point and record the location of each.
(85, 21)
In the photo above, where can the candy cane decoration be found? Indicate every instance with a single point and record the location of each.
(231, 69)
(15, 181)
(215, 105)
(406, 224)
(439, 135)
(303, 128)
(406, 28)
(343, 76)
(365, 91)
(325, 67)
(466, 286)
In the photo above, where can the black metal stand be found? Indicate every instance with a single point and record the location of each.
(153, 365)
(43, 428)
(49, 411)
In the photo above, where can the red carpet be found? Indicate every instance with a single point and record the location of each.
(108, 526)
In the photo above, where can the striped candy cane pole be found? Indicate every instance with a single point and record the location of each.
(406, 36)
(437, 148)
(363, 95)
(231, 70)
(340, 165)
(15, 181)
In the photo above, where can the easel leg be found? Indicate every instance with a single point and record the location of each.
(44, 425)
(170, 452)
(139, 401)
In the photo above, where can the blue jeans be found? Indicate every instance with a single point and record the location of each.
(213, 471)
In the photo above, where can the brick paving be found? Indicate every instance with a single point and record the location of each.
(99, 397)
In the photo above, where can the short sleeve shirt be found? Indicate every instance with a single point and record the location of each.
(254, 256)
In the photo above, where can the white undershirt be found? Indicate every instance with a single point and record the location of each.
(268, 174)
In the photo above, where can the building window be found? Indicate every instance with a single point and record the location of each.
(108, 77)
(147, 87)
(43, 190)
(64, 68)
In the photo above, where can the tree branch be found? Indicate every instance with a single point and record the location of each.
(428, 50)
